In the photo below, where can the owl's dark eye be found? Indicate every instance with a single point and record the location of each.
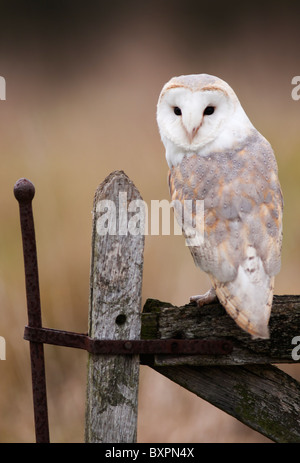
(177, 111)
(208, 110)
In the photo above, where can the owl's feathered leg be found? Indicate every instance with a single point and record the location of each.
(203, 299)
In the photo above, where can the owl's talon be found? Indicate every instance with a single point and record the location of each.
(203, 299)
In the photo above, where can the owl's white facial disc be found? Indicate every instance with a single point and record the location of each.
(199, 113)
(182, 115)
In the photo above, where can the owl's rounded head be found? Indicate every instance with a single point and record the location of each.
(199, 113)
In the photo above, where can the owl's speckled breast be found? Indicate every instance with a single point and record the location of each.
(241, 194)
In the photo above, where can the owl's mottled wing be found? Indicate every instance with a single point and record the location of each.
(241, 245)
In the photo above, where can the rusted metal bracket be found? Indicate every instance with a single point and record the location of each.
(38, 336)
(125, 347)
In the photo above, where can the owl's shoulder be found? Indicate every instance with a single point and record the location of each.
(250, 159)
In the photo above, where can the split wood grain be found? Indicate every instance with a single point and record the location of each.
(114, 313)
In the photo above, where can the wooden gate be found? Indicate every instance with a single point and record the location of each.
(203, 350)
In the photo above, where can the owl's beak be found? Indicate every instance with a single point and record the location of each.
(194, 132)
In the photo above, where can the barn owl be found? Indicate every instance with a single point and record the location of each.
(216, 155)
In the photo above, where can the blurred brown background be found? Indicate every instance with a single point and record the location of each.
(83, 80)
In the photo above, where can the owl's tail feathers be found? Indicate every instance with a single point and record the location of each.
(250, 313)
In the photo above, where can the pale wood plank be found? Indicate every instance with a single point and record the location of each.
(115, 306)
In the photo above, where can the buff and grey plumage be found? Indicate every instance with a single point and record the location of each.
(217, 156)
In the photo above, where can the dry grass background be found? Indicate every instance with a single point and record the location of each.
(82, 87)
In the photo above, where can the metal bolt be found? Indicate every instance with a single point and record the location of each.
(128, 345)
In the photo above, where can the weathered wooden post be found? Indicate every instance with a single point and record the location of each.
(115, 306)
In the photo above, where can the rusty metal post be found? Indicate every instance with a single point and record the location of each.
(24, 192)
